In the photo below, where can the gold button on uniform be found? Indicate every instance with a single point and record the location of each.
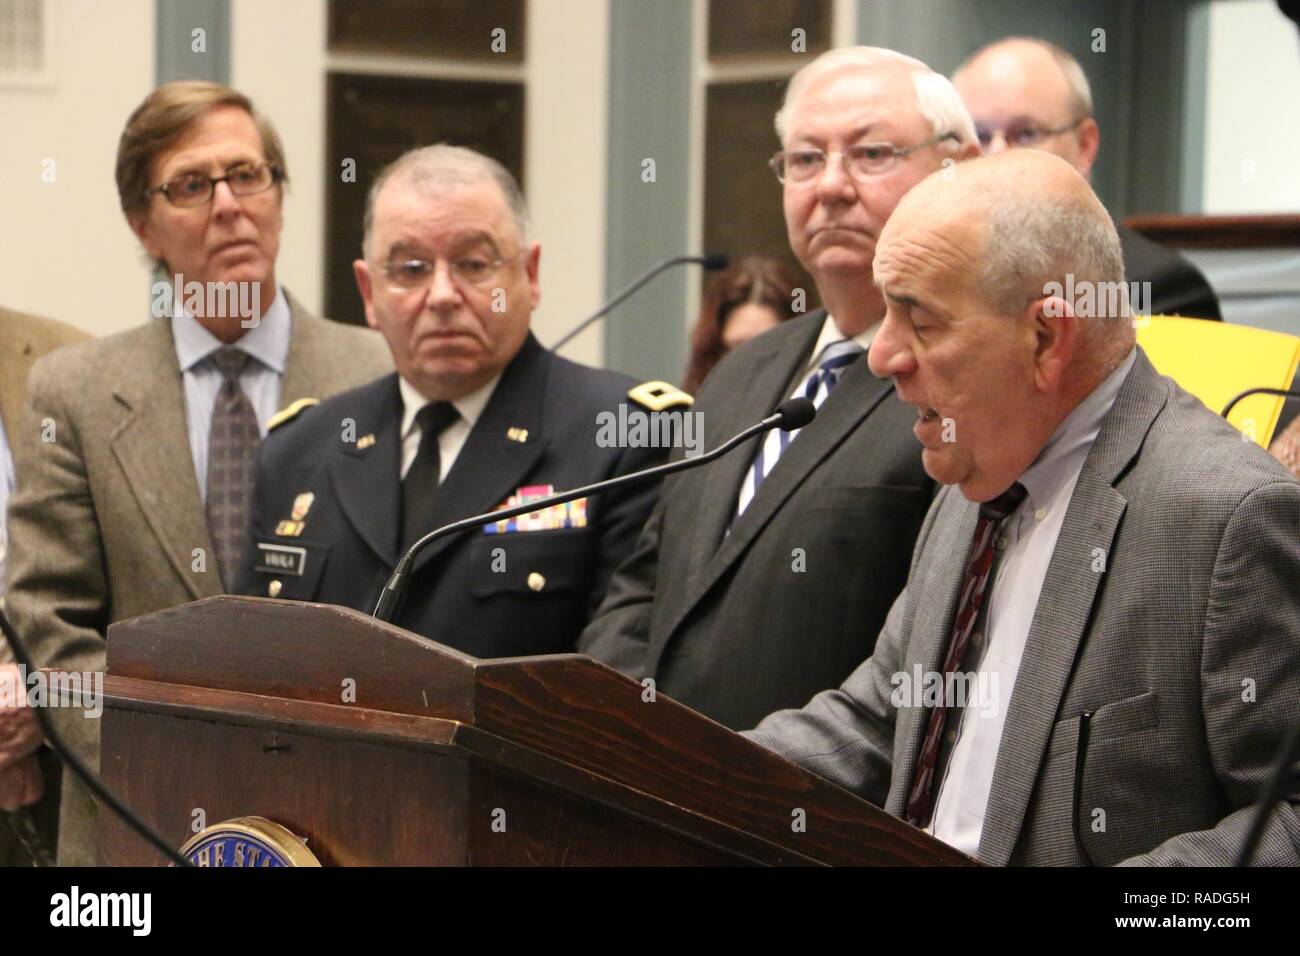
(536, 581)
(274, 588)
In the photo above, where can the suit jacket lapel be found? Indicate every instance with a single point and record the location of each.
(1065, 609)
(490, 466)
(768, 385)
(304, 357)
(152, 448)
(856, 396)
(367, 481)
(935, 590)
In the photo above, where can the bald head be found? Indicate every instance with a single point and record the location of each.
(1024, 219)
(1025, 92)
(982, 266)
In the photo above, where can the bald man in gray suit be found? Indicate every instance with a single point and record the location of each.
(1097, 655)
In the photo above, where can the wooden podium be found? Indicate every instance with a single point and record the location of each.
(381, 747)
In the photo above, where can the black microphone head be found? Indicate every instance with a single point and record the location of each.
(795, 413)
(713, 261)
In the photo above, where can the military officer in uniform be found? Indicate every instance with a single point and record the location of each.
(479, 416)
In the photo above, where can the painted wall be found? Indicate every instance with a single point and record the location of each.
(65, 250)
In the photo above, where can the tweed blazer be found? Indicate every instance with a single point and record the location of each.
(107, 515)
(1162, 667)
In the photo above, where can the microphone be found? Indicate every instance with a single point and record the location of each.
(711, 262)
(21, 821)
(791, 414)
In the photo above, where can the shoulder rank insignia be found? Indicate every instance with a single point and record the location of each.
(290, 413)
(658, 396)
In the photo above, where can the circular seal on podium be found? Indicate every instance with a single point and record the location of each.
(248, 842)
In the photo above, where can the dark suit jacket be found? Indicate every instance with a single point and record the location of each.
(1181, 646)
(738, 625)
(1177, 286)
(456, 594)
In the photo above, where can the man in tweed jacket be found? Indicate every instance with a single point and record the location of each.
(108, 520)
(1136, 652)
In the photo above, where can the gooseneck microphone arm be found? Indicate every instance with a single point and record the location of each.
(792, 413)
(73, 762)
(710, 262)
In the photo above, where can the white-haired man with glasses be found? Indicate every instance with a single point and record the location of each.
(134, 463)
(771, 571)
(1026, 93)
(478, 416)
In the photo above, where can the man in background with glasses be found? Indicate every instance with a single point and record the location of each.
(771, 571)
(479, 416)
(134, 463)
(1026, 93)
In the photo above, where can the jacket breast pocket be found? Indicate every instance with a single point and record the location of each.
(531, 563)
(289, 571)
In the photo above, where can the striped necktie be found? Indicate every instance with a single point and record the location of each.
(817, 385)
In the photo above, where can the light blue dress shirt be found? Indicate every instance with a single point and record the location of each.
(267, 343)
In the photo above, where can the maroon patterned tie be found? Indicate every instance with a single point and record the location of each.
(920, 793)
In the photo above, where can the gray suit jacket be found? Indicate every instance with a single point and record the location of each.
(106, 516)
(739, 624)
(1170, 612)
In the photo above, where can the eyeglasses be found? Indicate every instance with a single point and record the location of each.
(195, 189)
(1020, 135)
(408, 275)
(861, 161)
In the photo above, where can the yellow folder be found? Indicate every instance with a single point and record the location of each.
(1216, 362)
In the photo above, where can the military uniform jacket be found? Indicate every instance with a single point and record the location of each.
(514, 592)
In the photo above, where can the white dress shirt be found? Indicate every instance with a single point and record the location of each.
(267, 343)
(453, 437)
(1028, 540)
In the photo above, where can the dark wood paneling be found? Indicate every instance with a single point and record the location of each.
(742, 198)
(372, 120)
(765, 27)
(445, 28)
(1220, 232)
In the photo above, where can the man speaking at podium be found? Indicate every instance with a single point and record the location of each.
(479, 416)
(1097, 655)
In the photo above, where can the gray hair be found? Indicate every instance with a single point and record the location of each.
(936, 98)
(1032, 242)
(1075, 80)
(440, 166)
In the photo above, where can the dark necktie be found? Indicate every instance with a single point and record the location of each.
(920, 793)
(832, 362)
(421, 482)
(232, 457)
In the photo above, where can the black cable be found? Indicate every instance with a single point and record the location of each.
(1270, 795)
(1282, 392)
(73, 762)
